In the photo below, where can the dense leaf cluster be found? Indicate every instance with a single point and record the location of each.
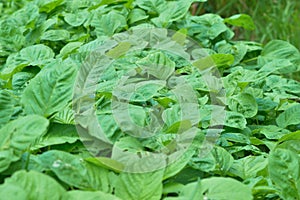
(43, 44)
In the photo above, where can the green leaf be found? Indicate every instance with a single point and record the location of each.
(206, 27)
(57, 134)
(205, 163)
(190, 191)
(77, 18)
(224, 160)
(12, 191)
(238, 50)
(243, 103)
(136, 15)
(173, 11)
(241, 20)
(140, 185)
(215, 60)
(50, 91)
(284, 172)
(74, 171)
(34, 185)
(158, 65)
(48, 5)
(236, 137)
(175, 167)
(152, 6)
(55, 35)
(278, 50)
(107, 163)
(271, 132)
(225, 188)
(289, 117)
(119, 50)
(6, 106)
(87, 195)
(235, 120)
(248, 167)
(36, 55)
(108, 24)
(17, 136)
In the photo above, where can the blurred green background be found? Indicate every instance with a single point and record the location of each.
(274, 19)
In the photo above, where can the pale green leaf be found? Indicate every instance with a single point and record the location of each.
(289, 117)
(243, 103)
(18, 135)
(55, 35)
(50, 91)
(36, 55)
(36, 186)
(284, 172)
(241, 20)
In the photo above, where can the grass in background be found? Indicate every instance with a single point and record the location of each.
(274, 19)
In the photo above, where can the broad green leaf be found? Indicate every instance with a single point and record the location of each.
(107, 163)
(225, 188)
(35, 185)
(284, 172)
(205, 163)
(36, 55)
(290, 136)
(77, 18)
(140, 185)
(108, 125)
(265, 104)
(289, 117)
(235, 120)
(243, 103)
(139, 91)
(65, 116)
(175, 167)
(108, 2)
(236, 137)
(238, 50)
(74, 171)
(136, 15)
(48, 5)
(57, 134)
(108, 24)
(20, 80)
(271, 132)
(55, 35)
(241, 20)
(12, 191)
(6, 106)
(249, 166)
(50, 91)
(179, 127)
(282, 50)
(224, 160)
(88, 195)
(207, 26)
(222, 60)
(151, 6)
(290, 142)
(215, 60)
(158, 65)
(18, 135)
(27, 15)
(173, 11)
(190, 191)
(119, 50)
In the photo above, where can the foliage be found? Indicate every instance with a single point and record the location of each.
(43, 46)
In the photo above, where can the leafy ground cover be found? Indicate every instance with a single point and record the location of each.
(235, 136)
